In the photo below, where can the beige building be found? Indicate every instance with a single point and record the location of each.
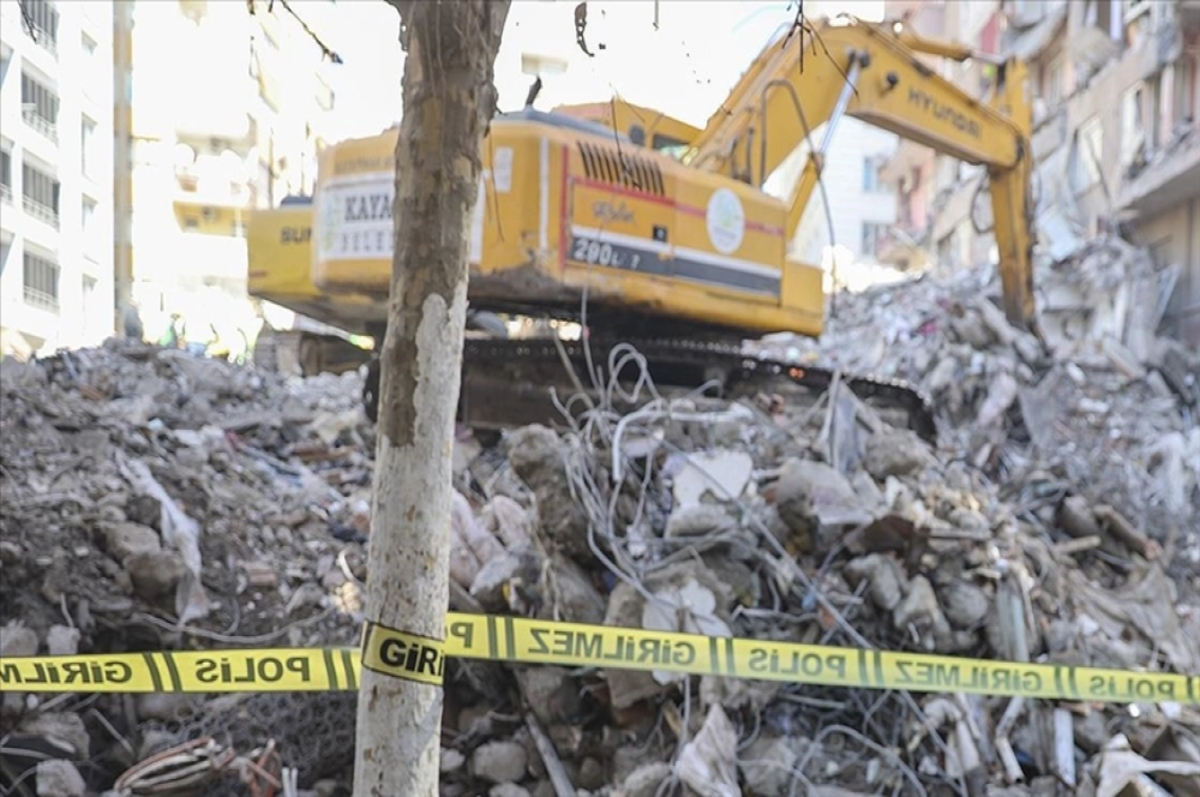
(1117, 136)
(220, 111)
(56, 286)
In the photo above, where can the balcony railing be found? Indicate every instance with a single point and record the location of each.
(45, 40)
(40, 124)
(6, 194)
(42, 212)
(36, 298)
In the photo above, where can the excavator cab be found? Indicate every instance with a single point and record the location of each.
(645, 127)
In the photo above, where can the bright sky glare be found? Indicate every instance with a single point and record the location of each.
(685, 68)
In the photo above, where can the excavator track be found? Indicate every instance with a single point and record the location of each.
(294, 352)
(508, 382)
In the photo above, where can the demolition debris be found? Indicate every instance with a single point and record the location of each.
(155, 501)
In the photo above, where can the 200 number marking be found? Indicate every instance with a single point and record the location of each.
(599, 253)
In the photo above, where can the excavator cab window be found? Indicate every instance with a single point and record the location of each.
(669, 146)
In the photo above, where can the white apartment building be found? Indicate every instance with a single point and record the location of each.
(220, 112)
(56, 175)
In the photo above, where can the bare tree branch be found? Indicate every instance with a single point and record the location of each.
(326, 51)
(27, 20)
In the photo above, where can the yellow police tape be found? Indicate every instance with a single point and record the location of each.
(517, 639)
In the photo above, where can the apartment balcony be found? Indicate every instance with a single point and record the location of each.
(41, 299)
(208, 191)
(43, 213)
(44, 40)
(1171, 176)
(197, 219)
(39, 123)
(1163, 46)
(206, 143)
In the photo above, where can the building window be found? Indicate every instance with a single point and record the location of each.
(1184, 102)
(39, 107)
(89, 45)
(1055, 80)
(1088, 154)
(1105, 15)
(870, 174)
(40, 192)
(873, 236)
(5, 175)
(1133, 136)
(87, 138)
(41, 281)
(43, 18)
(90, 228)
(89, 298)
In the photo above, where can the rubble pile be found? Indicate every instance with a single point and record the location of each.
(1105, 410)
(159, 501)
(153, 500)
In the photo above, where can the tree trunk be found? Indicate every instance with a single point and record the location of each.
(449, 99)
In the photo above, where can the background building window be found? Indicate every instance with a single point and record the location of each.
(89, 298)
(90, 228)
(39, 107)
(41, 281)
(40, 192)
(870, 174)
(873, 236)
(1089, 152)
(44, 18)
(1055, 80)
(87, 138)
(1132, 133)
(5, 174)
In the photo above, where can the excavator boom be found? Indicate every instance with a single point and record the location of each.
(872, 72)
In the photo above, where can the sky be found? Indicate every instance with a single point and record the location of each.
(685, 68)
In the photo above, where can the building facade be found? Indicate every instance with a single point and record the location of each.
(219, 111)
(56, 172)
(862, 207)
(1116, 134)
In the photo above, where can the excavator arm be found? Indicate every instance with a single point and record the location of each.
(801, 82)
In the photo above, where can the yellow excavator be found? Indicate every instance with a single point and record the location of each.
(653, 232)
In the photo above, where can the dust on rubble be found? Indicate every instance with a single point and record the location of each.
(1055, 521)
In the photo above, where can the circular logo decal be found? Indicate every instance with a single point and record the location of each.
(726, 221)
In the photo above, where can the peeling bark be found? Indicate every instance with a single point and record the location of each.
(449, 99)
